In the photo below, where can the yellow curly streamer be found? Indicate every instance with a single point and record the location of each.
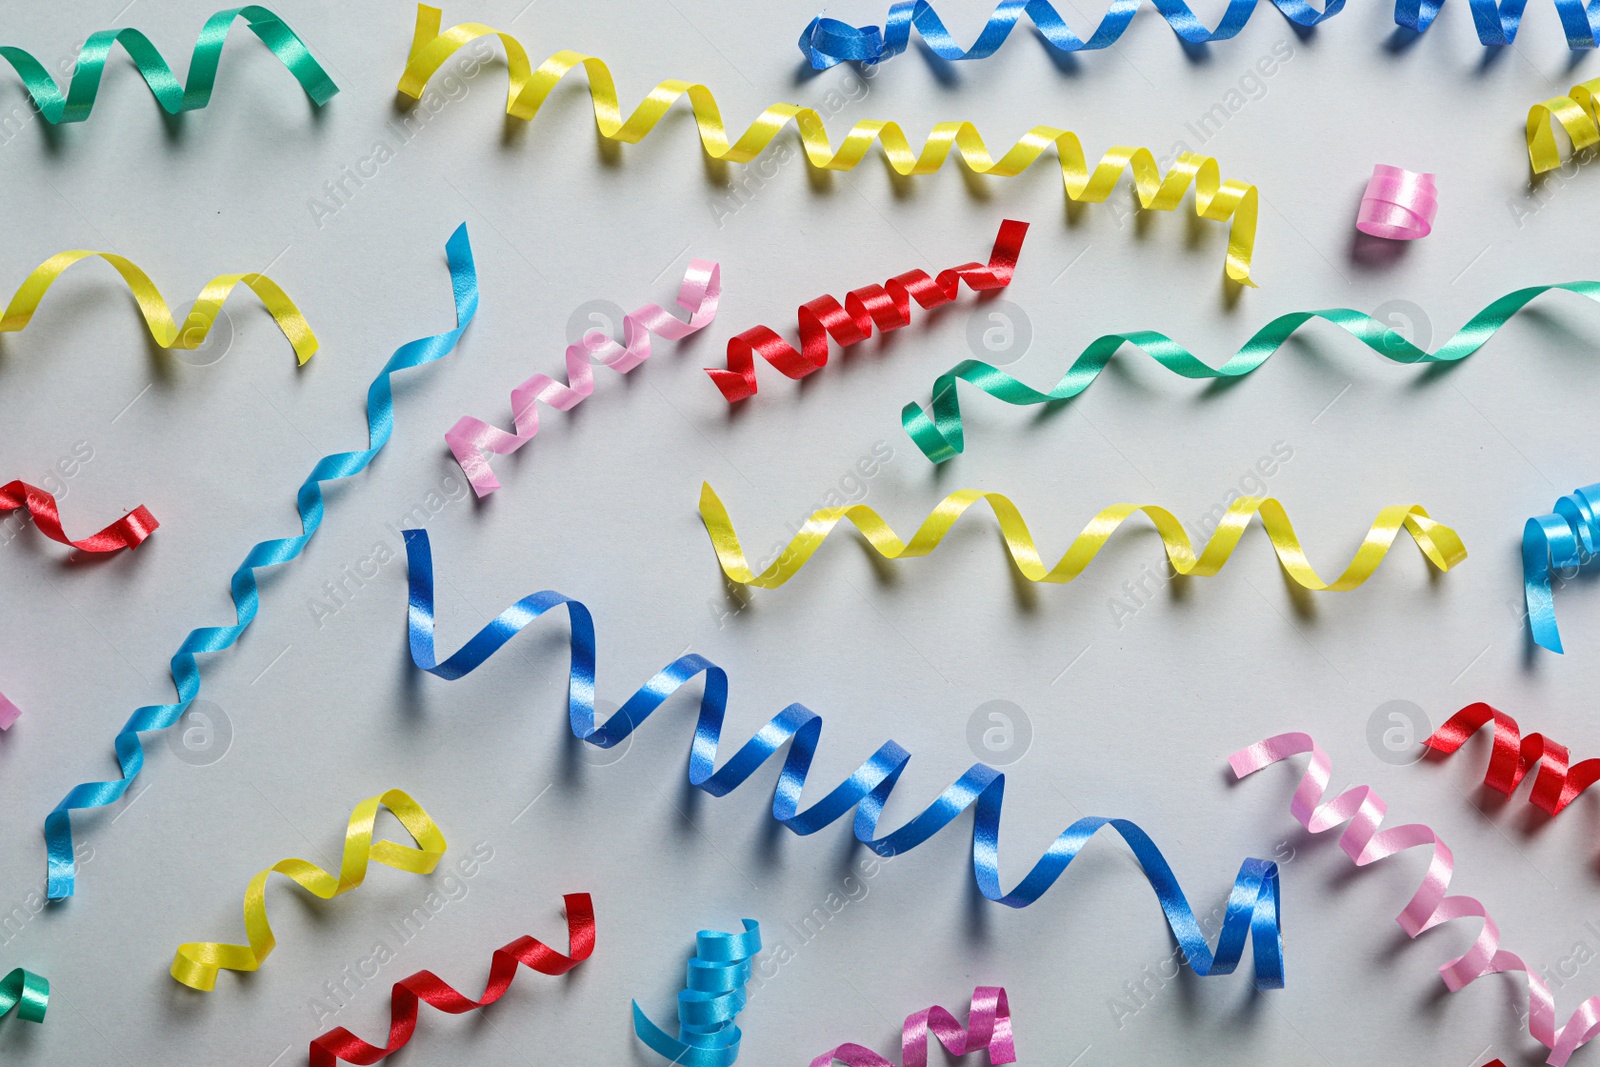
(1438, 542)
(196, 964)
(1214, 198)
(157, 315)
(1576, 114)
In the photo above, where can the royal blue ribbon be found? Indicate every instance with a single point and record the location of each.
(1497, 24)
(1569, 537)
(712, 997)
(246, 601)
(1252, 906)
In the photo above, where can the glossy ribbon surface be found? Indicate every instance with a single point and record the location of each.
(1438, 542)
(712, 998)
(1497, 23)
(27, 992)
(1214, 199)
(988, 1029)
(1577, 115)
(243, 589)
(1252, 910)
(470, 438)
(1557, 782)
(173, 97)
(1567, 538)
(425, 986)
(1399, 204)
(887, 306)
(127, 532)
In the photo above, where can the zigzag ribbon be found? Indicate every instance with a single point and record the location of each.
(309, 503)
(127, 532)
(1438, 542)
(1497, 24)
(1252, 910)
(340, 1044)
(1364, 842)
(1214, 199)
(888, 306)
(469, 438)
(173, 98)
(1577, 115)
(940, 436)
(196, 964)
(27, 992)
(1555, 785)
(988, 1029)
(712, 998)
(1568, 537)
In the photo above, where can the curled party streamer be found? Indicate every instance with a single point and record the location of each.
(27, 992)
(127, 532)
(196, 964)
(1567, 538)
(1252, 909)
(426, 987)
(173, 98)
(1399, 204)
(1219, 201)
(988, 1029)
(712, 998)
(1438, 542)
(1557, 782)
(1577, 115)
(242, 586)
(470, 438)
(1365, 842)
(888, 306)
(9, 712)
(1497, 23)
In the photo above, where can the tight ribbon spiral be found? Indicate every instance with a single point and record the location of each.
(127, 532)
(888, 306)
(1556, 784)
(1568, 537)
(988, 1029)
(173, 97)
(1220, 201)
(1252, 910)
(1577, 115)
(712, 998)
(1497, 23)
(243, 589)
(29, 993)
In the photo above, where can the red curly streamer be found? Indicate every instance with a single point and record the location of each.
(1555, 785)
(988, 1028)
(888, 306)
(126, 532)
(340, 1044)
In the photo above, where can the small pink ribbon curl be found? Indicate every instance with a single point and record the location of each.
(988, 1028)
(1399, 204)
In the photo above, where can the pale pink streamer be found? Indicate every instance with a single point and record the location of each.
(988, 1027)
(8, 712)
(1399, 204)
(1364, 843)
(469, 438)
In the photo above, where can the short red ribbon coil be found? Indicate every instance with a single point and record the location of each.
(1556, 783)
(126, 532)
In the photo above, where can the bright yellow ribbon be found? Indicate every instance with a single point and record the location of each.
(1214, 198)
(1577, 115)
(1438, 542)
(196, 964)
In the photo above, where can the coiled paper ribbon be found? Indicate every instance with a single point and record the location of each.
(988, 1029)
(27, 992)
(712, 998)
(340, 1044)
(1556, 784)
(196, 964)
(941, 437)
(246, 599)
(1497, 23)
(469, 438)
(1220, 201)
(1438, 542)
(1569, 537)
(888, 306)
(127, 532)
(1252, 910)
(1365, 842)
(173, 98)
(1399, 204)
(1577, 115)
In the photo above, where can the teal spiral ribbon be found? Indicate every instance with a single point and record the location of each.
(27, 992)
(712, 997)
(173, 97)
(1568, 537)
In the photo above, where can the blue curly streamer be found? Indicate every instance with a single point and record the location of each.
(1252, 906)
(308, 501)
(712, 998)
(1570, 537)
(1497, 24)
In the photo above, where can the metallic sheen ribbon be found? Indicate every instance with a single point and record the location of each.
(1438, 542)
(1577, 115)
(1214, 199)
(173, 98)
(309, 503)
(1252, 910)
(340, 1044)
(1556, 784)
(127, 532)
(712, 998)
(1497, 23)
(196, 964)
(469, 438)
(988, 1029)
(1399, 204)
(27, 992)
(1568, 537)
(888, 306)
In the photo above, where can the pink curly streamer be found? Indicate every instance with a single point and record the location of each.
(469, 438)
(988, 1027)
(1364, 843)
(8, 712)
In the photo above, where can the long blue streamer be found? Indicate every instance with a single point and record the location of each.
(1497, 24)
(1252, 909)
(308, 501)
(712, 997)
(1570, 537)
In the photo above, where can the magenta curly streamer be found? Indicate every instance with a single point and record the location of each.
(988, 1027)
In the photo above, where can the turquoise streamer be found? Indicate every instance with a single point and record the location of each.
(29, 993)
(1568, 537)
(712, 997)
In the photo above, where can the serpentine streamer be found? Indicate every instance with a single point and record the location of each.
(1566, 538)
(1252, 909)
(712, 998)
(1577, 115)
(127, 532)
(1497, 23)
(242, 586)
(988, 1030)
(29, 993)
(1556, 784)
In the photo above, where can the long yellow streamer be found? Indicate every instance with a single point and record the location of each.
(196, 964)
(1214, 199)
(1438, 542)
(1577, 115)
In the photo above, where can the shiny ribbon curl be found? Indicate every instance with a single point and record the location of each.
(1252, 910)
(29, 993)
(1568, 537)
(1219, 201)
(888, 306)
(988, 1029)
(173, 98)
(127, 532)
(1557, 782)
(469, 438)
(1577, 115)
(1398, 205)
(9, 714)
(940, 434)
(1439, 543)
(196, 964)
(712, 998)
(242, 586)
(1497, 23)
(425, 986)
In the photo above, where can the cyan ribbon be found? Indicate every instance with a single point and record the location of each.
(712, 998)
(1569, 537)
(29, 993)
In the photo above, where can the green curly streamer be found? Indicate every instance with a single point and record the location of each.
(27, 992)
(172, 97)
(940, 437)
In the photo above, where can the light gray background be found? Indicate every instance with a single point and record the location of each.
(1133, 721)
